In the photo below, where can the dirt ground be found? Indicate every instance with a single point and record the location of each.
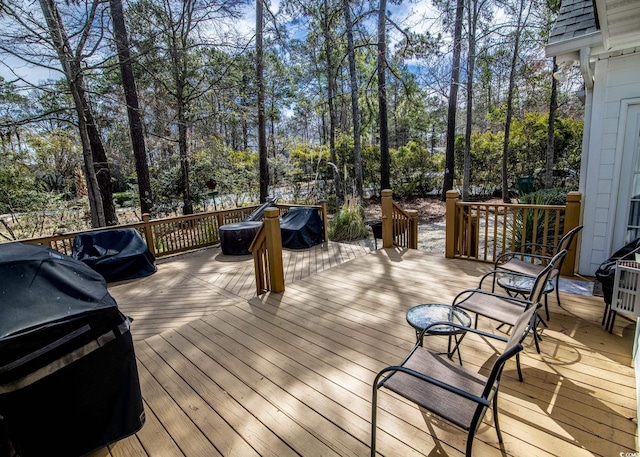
(430, 210)
(431, 221)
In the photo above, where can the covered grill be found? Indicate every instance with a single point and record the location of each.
(68, 376)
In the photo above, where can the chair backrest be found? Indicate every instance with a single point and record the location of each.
(567, 239)
(521, 329)
(549, 272)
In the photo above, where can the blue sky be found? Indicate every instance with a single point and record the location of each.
(417, 16)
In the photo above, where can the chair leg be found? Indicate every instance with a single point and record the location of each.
(495, 416)
(536, 337)
(546, 305)
(469, 443)
(558, 290)
(520, 377)
(374, 411)
(456, 347)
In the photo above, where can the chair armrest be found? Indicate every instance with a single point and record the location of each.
(504, 258)
(430, 380)
(495, 272)
(532, 246)
(461, 327)
(470, 292)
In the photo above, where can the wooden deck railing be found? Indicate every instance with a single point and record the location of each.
(399, 226)
(267, 254)
(177, 234)
(174, 234)
(482, 231)
(163, 236)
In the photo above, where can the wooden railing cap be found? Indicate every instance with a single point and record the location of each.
(574, 196)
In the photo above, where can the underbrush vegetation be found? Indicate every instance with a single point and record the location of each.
(348, 224)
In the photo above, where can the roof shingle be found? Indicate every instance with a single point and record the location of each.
(575, 18)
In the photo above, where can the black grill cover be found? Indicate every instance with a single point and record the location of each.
(607, 270)
(68, 377)
(301, 228)
(117, 254)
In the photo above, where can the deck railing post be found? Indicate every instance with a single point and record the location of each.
(273, 239)
(450, 224)
(413, 228)
(325, 221)
(387, 218)
(572, 220)
(148, 233)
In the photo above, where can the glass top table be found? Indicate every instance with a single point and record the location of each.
(421, 316)
(519, 285)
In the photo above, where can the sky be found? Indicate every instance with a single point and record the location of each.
(33, 74)
(413, 15)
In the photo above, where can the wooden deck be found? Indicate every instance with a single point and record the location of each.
(290, 374)
(195, 284)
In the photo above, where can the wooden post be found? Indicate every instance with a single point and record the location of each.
(572, 220)
(387, 219)
(148, 234)
(450, 224)
(325, 221)
(413, 228)
(273, 239)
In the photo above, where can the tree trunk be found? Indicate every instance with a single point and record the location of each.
(262, 128)
(95, 162)
(355, 109)
(133, 108)
(509, 114)
(385, 174)
(449, 168)
(553, 107)
(245, 125)
(471, 58)
(331, 91)
(183, 149)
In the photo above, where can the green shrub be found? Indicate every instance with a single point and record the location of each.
(122, 198)
(533, 224)
(348, 224)
(554, 196)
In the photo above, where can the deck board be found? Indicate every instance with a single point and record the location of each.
(290, 374)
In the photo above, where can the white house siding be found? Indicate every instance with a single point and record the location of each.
(617, 81)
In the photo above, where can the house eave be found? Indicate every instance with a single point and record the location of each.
(573, 45)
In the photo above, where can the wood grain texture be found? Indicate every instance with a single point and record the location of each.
(224, 372)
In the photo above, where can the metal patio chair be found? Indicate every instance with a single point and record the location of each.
(506, 309)
(448, 390)
(531, 258)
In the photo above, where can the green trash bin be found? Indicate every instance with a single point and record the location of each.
(525, 184)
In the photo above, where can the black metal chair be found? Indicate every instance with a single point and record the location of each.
(531, 258)
(448, 390)
(506, 309)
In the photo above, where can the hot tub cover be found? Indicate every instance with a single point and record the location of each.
(117, 254)
(301, 228)
(236, 238)
(68, 377)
